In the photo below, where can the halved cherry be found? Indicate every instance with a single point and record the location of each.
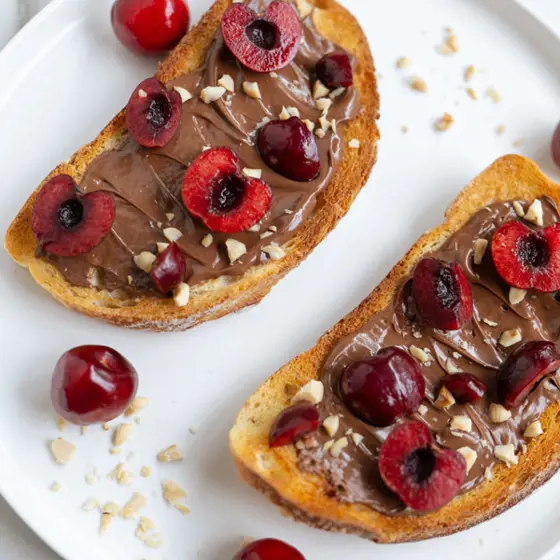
(153, 114)
(269, 549)
(335, 70)
(525, 258)
(262, 43)
(225, 200)
(524, 369)
(465, 387)
(424, 475)
(292, 423)
(442, 294)
(169, 269)
(67, 223)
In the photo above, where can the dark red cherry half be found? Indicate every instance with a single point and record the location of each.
(424, 475)
(153, 114)
(525, 258)
(216, 192)
(442, 294)
(169, 269)
(465, 387)
(262, 43)
(524, 369)
(335, 70)
(67, 223)
(292, 423)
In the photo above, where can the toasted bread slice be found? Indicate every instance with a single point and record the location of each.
(301, 495)
(218, 297)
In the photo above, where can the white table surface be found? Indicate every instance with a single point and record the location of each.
(17, 542)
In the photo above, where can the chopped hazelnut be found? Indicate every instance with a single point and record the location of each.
(211, 94)
(185, 94)
(516, 295)
(470, 456)
(462, 423)
(445, 399)
(498, 414)
(339, 446)
(480, 246)
(331, 425)
(510, 337)
(535, 213)
(506, 453)
(312, 392)
(252, 90)
(533, 430)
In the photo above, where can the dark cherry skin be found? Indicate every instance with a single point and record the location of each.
(555, 146)
(465, 387)
(92, 384)
(67, 223)
(335, 70)
(385, 387)
(169, 269)
(220, 196)
(424, 475)
(524, 369)
(269, 549)
(292, 423)
(153, 114)
(527, 259)
(150, 27)
(289, 148)
(442, 294)
(266, 42)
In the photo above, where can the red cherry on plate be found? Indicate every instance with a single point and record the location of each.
(269, 549)
(556, 146)
(92, 384)
(150, 27)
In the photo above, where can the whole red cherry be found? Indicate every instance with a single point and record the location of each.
(150, 27)
(92, 384)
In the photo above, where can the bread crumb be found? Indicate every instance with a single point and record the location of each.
(354, 144)
(61, 423)
(500, 129)
(90, 504)
(55, 486)
(518, 142)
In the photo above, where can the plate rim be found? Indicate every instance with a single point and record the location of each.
(67, 548)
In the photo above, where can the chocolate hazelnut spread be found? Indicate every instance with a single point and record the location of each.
(147, 183)
(353, 477)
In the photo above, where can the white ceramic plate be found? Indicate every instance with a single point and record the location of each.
(61, 79)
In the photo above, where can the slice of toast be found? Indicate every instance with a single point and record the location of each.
(301, 495)
(218, 297)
